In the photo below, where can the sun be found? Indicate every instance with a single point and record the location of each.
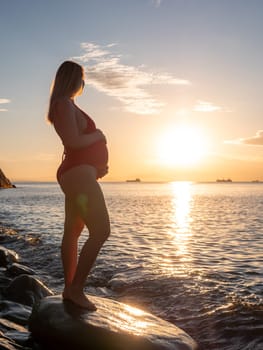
(182, 145)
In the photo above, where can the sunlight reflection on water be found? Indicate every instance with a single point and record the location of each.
(179, 233)
(181, 218)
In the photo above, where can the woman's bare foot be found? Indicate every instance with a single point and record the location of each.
(78, 298)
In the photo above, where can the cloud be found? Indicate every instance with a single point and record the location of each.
(4, 101)
(256, 140)
(126, 83)
(204, 106)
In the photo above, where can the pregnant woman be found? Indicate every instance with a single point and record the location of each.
(85, 161)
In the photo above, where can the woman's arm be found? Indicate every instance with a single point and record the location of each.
(66, 126)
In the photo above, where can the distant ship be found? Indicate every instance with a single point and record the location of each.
(223, 180)
(135, 180)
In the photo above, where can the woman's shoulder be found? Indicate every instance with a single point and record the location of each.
(63, 104)
(62, 107)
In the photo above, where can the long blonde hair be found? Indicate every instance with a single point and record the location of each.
(67, 83)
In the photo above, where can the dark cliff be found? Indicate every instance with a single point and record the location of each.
(4, 181)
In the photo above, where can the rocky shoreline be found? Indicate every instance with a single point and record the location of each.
(4, 181)
(19, 290)
(33, 318)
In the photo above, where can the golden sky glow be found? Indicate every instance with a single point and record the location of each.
(180, 102)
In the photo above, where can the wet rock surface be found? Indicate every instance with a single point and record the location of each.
(113, 326)
(17, 269)
(14, 315)
(7, 256)
(15, 312)
(26, 290)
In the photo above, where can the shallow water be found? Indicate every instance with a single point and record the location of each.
(189, 253)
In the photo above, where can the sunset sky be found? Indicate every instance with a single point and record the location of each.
(176, 85)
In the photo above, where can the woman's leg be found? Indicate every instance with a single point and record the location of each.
(73, 227)
(96, 218)
(87, 201)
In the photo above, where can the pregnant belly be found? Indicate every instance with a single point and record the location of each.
(95, 155)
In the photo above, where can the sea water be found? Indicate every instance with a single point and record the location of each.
(191, 253)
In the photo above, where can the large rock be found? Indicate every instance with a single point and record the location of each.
(4, 181)
(17, 269)
(113, 326)
(7, 256)
(26, 290)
